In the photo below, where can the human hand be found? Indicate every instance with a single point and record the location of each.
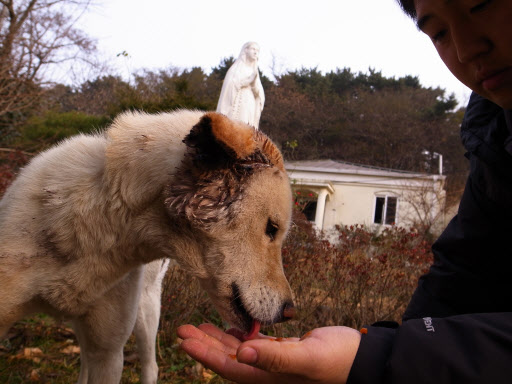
(323, 355)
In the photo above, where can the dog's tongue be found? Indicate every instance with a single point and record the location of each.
(255, 329)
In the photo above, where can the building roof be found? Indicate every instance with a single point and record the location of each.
(342, 167)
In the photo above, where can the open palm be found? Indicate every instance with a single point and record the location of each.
(323, 355)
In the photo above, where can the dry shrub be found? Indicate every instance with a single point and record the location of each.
(10, 163)
(377, 273)
(362, 277)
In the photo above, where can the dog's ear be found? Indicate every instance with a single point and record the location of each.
(217, 139)
(222, 155)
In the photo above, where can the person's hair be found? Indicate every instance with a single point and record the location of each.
(408, 7)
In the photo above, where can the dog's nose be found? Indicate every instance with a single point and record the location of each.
(288, 311)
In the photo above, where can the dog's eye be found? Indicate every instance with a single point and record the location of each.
(271, 230)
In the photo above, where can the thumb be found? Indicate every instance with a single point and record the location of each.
(278, 357)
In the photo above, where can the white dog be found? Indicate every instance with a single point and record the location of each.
(87, 227)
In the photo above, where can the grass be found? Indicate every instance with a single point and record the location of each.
(40, 350)
(32, 352)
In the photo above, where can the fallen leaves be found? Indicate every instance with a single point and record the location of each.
(33, 354)
(34, 375)
(71, 350)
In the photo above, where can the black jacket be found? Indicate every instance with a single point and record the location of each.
(458, 325)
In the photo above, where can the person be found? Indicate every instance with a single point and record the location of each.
(457, 327)
(242, 96)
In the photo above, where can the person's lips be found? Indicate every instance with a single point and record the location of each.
(492, 80)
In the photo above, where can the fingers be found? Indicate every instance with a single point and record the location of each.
(321, 355)
(226, 339)
(226, 365)
(207, 348)
(288, 356)
(239, 334)
(210, 336)
(188, 331)
(211, 346)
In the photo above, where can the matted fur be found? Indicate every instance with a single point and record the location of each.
(84, 225)
(211, 179)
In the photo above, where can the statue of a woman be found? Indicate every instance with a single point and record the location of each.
(242, 96)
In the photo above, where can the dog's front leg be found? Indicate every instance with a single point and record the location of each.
(148, 317)
(82, 341)
(104, 330)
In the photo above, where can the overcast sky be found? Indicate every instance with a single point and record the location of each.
(326, 34)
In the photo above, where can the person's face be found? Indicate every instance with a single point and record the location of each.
(474, 39)
(252, 52)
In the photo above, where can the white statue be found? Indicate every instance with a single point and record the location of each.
(242, 96)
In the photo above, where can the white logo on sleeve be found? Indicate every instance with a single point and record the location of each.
(428, 324)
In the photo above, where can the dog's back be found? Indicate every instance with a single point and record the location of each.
(69, 205)
(83, 227)
(31, 209)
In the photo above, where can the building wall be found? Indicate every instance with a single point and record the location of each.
(353, 201)
(350, 204)
(355, 204)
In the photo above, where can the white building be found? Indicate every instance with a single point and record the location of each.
(335, 192)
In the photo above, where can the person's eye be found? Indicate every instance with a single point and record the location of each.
(480, 6)
(437, 37)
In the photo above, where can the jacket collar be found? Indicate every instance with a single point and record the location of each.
(486, 133)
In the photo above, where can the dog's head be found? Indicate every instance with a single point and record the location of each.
(233, 193)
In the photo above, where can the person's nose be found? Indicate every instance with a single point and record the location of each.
(470, 42)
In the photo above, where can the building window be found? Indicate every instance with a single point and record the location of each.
(385, 210)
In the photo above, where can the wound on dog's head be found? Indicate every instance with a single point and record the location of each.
(218, 142)
(222, 154)
(207, 150)
(218, 139)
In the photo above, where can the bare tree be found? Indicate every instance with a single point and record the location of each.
(35, 37)
(424, 205)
